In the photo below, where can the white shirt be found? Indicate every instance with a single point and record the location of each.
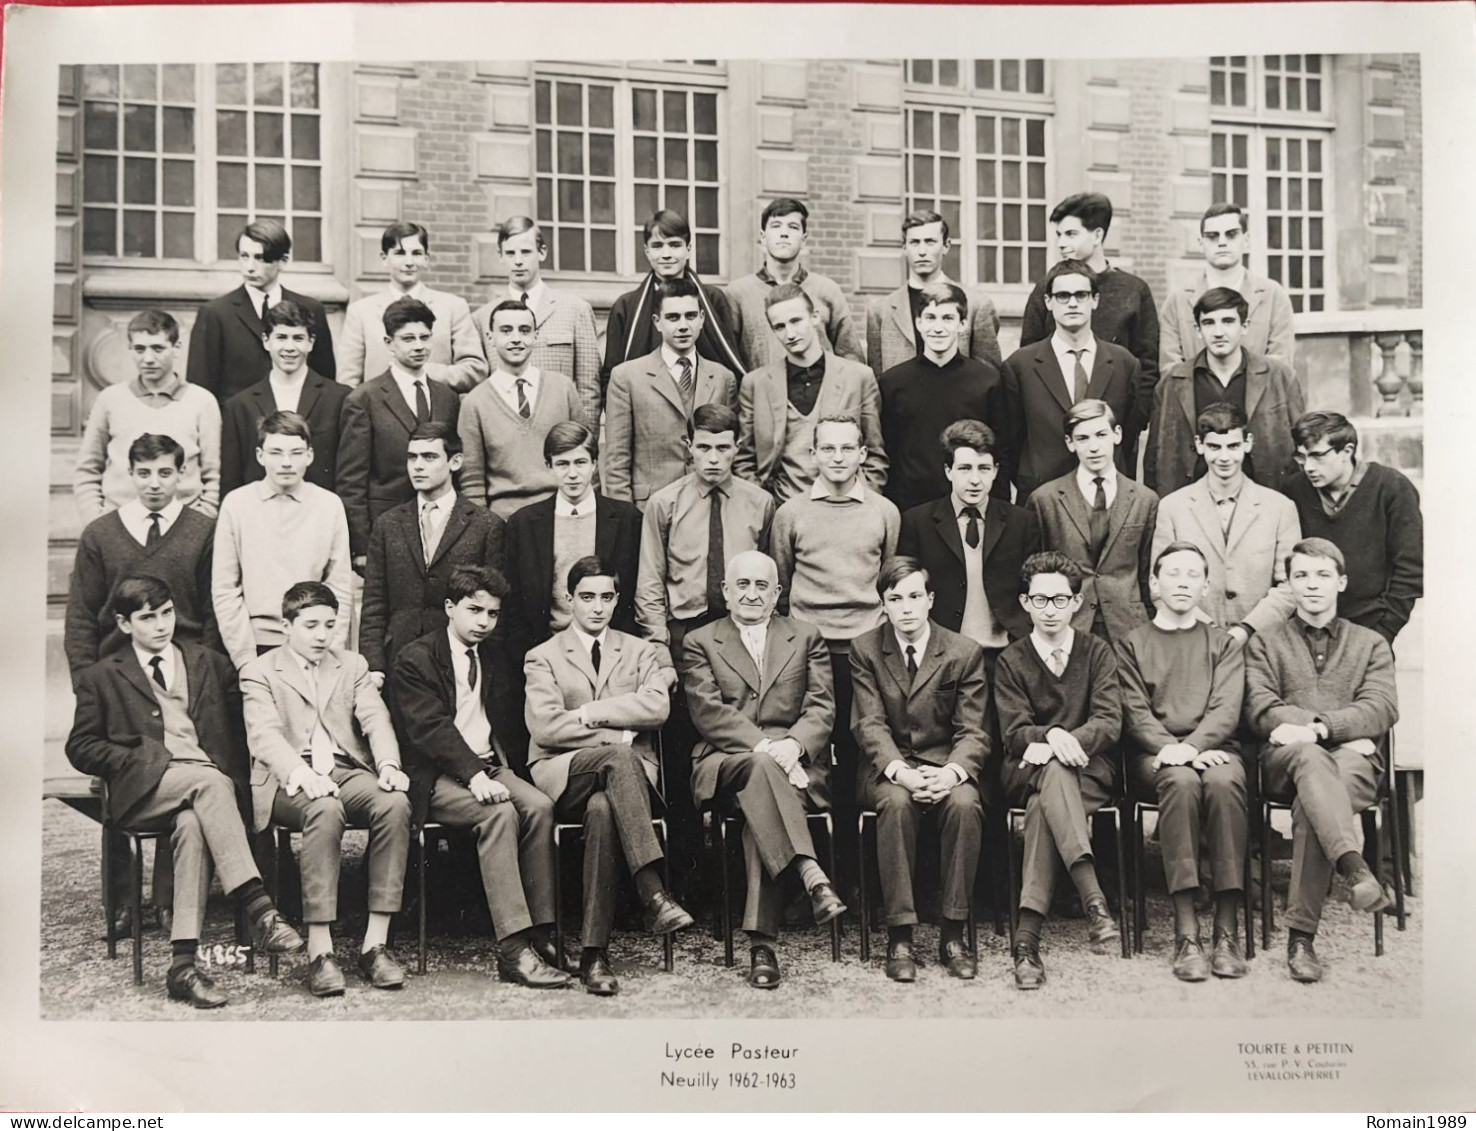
(406, 385)
(669, 358)
(135, 519)
(258, 296)
(563, 508)
(471, 715)
(1044, 650)
(1068, 363)
(145, 658)
(532, 298)
(507, 386)
(755, 638)
(287, 391)
(819, 489)
(1085, 483)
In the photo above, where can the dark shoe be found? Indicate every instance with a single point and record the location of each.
(380, 970)
(1029, 970)
(546, 950)
(325, 977)
(274, 935)
(122, 924)
(191, 984)
(525, 968)
(1190, 964)
(954, 955)
(763, 971)
(597, 976)
(1301, 960)
(1227, 961)
(665, 915)
(1101, 926)
(901, 967)
(1365, 892)
(825, 904)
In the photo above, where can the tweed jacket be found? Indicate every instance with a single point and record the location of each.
(456, 347)
(891, 337)
(1269, 331)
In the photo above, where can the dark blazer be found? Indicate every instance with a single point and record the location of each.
(1011, 534)
(320, 404)
(403, 597)
(422, 701)
(1037, 398)
(935, 717)
(373, 435)
(226, 355)
(529, 547)
(1118, 584)
(118, 730)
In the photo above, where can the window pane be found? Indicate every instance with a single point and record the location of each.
(674, 112)
(1293, 94)
(1314, 156)
(100, 126)
(988, 225)
(179, 235)
(227, 228)
(1240, 149)
(984, 134)
(988, 186)
(305, 144)
(602, 202)
(645, 157)
(571, 249)
(947, 72)
(643, 109)
(1010, 179)
(542, 96)
(1273, 153)
(1035, 137)
(100, 180)
(1217, 88)
(571, 152)
(984, 74)
(1314, 267)
(1218, 189)
(230, 133)
(230, 85)
(545, 151)
(99, 231)
(1314, 235)
(1273, 62)
(1314, 95)
(948, 176)
(140, 181)
(647, 201)
(706, 154)
(1314, 194)
(1009, 74)
(707, 255)
(1037, 263)
(1273, 231)
(602, 251)
(1034, 82)
(1241, 192)
(922, 174)
(307, 240)
(707, 208)
(141, 81)
(1009, 135)
(675, 198)
(922, 129)
(988, 270)
(305, 86)
(268, 134)
(140, 128)
(1273, 192)
(230, 185)
(602, 107)
(1013, 271)
(1294, 193)
(1294, 236)
(179, 183)
(1273, 92)
(1294, 154)
(266, 84)
(571, 104)
(571, 201)
(100, 81)
(179, 129)
(271, 188)
(1237, 88)
(138, 234)
(704, 113)
(602, 155)
(545, 199)
(307, 188)
(922, 71)
(1035, 180)
(1035, 223)
(1294, 272)
(676, 158)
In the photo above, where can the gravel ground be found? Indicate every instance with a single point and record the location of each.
(78, 982)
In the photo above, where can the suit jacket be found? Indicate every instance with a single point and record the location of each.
(1247, 565)
(529, 547)
(1011, 534)
(282, 710)
(373, 435)
(734, 709)
(937, 716)
(646, 424)
(404, 598)
(456, 348)
(320, 403)
(1273, 403)
(1118, 584)
(891, 336)
(567, 342)
(559, 679)
(1037, 401)
(1269, 328)
(118, 730)
(847, 389)
(226, 355)
(422, 701)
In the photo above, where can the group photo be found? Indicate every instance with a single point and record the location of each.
(802, 538)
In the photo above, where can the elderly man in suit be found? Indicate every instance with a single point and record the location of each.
(291, 386)
(918, 713)
(226, 354)
(144, 716)
(455, 356)
(759, 688)
(779, 404)
(1244, 530)
(414, 547)
(651, 399)
(1104, 521)
(594, 698)
(324, 756)
(891, 321)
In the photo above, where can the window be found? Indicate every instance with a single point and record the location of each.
(612, 151)
(1025, 76)
(149, 190)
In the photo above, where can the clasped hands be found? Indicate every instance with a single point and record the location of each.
(927, 784)
(1183, 754)
(787, 753)
(1060, 744)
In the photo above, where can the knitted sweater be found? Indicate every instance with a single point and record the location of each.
(1085, 699)
(761, 347)
(1180, 685)
(502, 463)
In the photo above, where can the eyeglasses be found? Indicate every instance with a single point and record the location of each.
(1071, 296)
(1040, 600)
(1302, 458)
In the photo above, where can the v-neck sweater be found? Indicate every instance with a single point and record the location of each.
(1084, 699)
(502, 460)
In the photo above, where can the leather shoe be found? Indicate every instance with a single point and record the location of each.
(1101, 926)
(546, 950)
(597, 976)
(380, 970)
(122, 923)
(665, 915)
(525, 968)
(1301, 960)
(325, 976)
(1029, 970)
(1190, 963)
(825, 905)
(1227, 961)
(901, 967)
(1365, 892)
(191, 984)
(763, 970)
(954, 955)
(274, 935)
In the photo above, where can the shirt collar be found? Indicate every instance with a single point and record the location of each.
(134, 512)
(1045, 650)
(405, 380)
(303, 662)
(1218, 497)
(508, 381)
(920, 645)
(589, 641)
(1088, 488)
(167, 656)
(793, 368)
(441, 502)
(958, 507)
(857, 491)
(563, 508)
(273, 295)
(705, 489)
(532, 297)
(174, 390)
(266, 489)
(1360, 469)
(1202, 365)
(799, 276)
(669, 359)
(458, 649)
(1061, 346)
(1333, 628)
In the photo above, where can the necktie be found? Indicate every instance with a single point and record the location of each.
(1058, 661)
(716, 561)
(427, 532)
(594, 656)
(1079, 376)
(422, 403)
(523, 410)
(684, 377)
(471, 674)
(153, 535)
(1097, 527)
(157, 663)
(263, 304)
(971, 532)
(320, 746)
(911, 663)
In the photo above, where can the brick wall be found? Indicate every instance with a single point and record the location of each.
(1411, 175)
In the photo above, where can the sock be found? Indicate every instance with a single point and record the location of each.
(377, 932)
(589, 954)
(810, 872)
(1351, 865)
(182, 952)
(1084, 876)
(1028, 932)
(254, 899)
(756, 939)
(899, 934)
(1292, 935)
(1227, 913)
(320, 940)
(951, 930)
(509, 946)
(1186, 923)
(648, 883)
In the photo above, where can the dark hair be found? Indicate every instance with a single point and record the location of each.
(284, 424)
(921, 216)
(140, 591)
(683, 286)
(591, 566)
(1089, 409)
(1221, 298)
(400, 231)
(276, 244)
(1220, 418)
(1180, 547)
(406, 312)
(516, 226)
(437, 430)
(1222, 208)
(1070, 267)
(154, 322)
(307, 595)
(567, 435)
(942, 294)
(785, 206)
(712, 418)
(1318, 548)
(1092, 208)
(288, 313)
(786, 291)
(967, 434)
(152, 445)
(469, 580)
(838, 418)
(1332, 426)
(1050, 561)
(897, 569)
(514, 304)
(667, 223)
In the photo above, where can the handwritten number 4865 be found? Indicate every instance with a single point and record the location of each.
(223, 956)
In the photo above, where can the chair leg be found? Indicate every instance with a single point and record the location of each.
(421, 863)
(1245, 905)
(109, 907)
(973, 929)
(1140, 908)
(835, 924)
(727, 908)
(1265, 876)
(1404, 800)
(1124, 919)
(1396, 847)
(1373, 855)
(861, 889)
(558, 893)
(668, 940)
(281, 846)
(135, 899)
(1014, 877)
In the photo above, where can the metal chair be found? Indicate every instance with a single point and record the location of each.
(862, 819)
(421, 867)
